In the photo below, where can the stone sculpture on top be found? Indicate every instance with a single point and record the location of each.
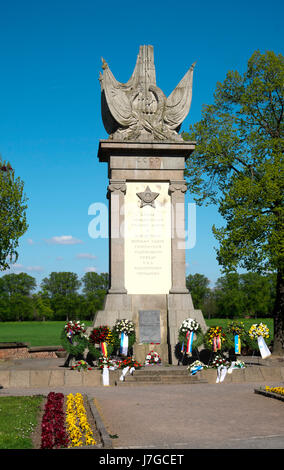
(138, 110)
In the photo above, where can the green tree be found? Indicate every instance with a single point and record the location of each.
(66, 307)
(92, 282)
(21, 283)
(229, 297)
(61, 283)
(94, 289)
(41, 307)
(238, 165)
(21, 308)
(256, 291)
(198, 286)
(13, 223)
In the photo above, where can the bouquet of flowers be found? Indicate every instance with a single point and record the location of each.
(195, 367)
(152, 358)
(129, 362)
(74, 338)
(81, 365)
(239, 365)
(106, 362)
(218, 361)
(259, 329)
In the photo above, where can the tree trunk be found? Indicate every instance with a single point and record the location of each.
(278, 314)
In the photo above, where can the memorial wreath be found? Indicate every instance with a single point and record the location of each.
(190, 335)
(123, 335)
(102, 337)
(74, 338)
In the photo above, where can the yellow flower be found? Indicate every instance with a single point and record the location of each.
(79, 430)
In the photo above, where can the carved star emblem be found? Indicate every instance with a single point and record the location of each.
(147, 197)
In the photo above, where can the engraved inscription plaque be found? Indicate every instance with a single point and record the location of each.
(147, 239)
(149, 326)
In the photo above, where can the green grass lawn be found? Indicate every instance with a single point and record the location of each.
(35, 333)
(18, 418)
(48, 333)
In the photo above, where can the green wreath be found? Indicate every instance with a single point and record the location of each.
(75, 345)
(126, 326)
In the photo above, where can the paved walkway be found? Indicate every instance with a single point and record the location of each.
(199, 416)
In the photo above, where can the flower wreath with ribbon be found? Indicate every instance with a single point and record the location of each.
(237, 329)
(101, 336)
(74, 338)
(258, 329)
(215, 338)
(124, 335)
(189, 329)
(260, 332)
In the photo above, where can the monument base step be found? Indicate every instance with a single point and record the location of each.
(156, 376)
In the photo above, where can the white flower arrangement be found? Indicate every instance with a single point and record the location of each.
(189, 325)
(125, 326)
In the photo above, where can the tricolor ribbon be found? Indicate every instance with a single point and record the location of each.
(216, 343)
(237, 344)
(189, 336)
(123, 344)
(104, 349)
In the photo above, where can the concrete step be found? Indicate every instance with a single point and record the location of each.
(144, 377)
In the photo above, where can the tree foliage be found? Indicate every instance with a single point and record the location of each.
(198, 285)
(13, 223)
(238, 165)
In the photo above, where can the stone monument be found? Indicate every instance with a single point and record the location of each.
(146, 159)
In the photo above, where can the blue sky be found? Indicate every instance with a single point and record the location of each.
(50, 54)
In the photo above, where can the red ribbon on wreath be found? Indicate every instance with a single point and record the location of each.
(216, 343)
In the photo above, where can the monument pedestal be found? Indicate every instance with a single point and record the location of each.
(147, 242)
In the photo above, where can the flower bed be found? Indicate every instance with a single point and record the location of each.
(78, 428)
(53, 432)
(272, 392)
(65, 426)
(279, 390)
